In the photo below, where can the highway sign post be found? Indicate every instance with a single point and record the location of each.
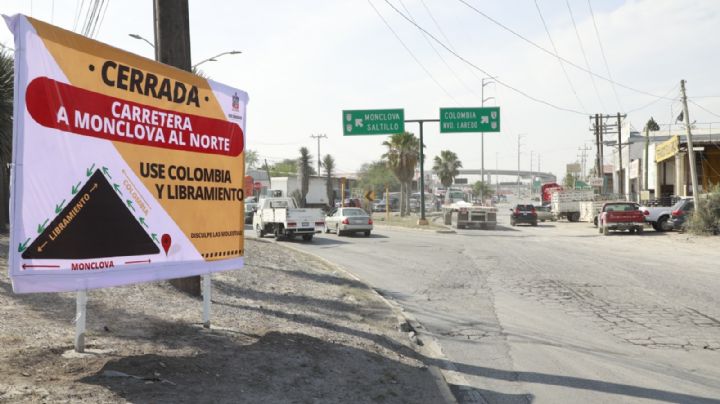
(458, 120)
(373, 122)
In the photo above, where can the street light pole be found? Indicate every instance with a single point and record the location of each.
(484, 81)
(318, 137)
(214, 58)
(193, 67)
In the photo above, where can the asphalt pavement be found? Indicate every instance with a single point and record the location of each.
(554, 313)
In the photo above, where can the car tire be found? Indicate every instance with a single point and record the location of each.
(259, 232)
(534, 223)
(367, 233)
(307, 237)
(663, 224)
(639, 230)
(325, 229)
(631, 231)
(542, 220)
(605, 231)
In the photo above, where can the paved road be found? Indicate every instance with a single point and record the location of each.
(554, 313)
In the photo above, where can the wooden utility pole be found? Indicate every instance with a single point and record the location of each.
(172, 33)
(691, 151)
(172, 47)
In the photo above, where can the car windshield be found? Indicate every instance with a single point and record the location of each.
(620, 207)
(353, 212)
(524, 207)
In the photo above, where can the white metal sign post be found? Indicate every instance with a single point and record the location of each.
(206, 292)
(81, 313)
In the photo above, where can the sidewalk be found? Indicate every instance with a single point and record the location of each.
(286, 328)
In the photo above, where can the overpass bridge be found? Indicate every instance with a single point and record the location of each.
(544, 177)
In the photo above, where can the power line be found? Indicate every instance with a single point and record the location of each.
(440, 56)
(502, 83)
(602, 52)
(562, 66)
(571, 63)
(582, 49)
(96, 31)
(703, 108)
(78, 10)
(655, 101)
(409, 51)
(447, 40)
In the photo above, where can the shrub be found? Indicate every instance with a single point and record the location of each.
(706, 217)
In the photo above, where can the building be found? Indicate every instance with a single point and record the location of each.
(668, 168)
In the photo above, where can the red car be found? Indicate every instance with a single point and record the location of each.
(621, 216)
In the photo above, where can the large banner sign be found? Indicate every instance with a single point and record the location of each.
(124, 170)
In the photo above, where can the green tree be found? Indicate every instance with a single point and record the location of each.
(447, 166)
(375, 176)
(304, 168)
(328, 164)
(569, 181)
(402, 156)
(6, 119)
(482, 188)
(251, 159)
(287, 167)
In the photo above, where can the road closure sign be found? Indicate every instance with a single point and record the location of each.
(454, 120)
(373, 122)
(124, 170)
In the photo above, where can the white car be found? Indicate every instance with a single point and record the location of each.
(349, 220)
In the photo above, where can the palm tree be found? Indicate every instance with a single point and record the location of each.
(304, 171)
(446, 166)
(402, 157)
(6, 119)
(329, 164)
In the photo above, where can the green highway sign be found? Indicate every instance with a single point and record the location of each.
(373, 122)
(454, 120)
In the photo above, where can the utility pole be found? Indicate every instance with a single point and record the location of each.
(621, 176)
(691, 150)
(172, 47)
(531, 173)
(318, 137)
(518, 166)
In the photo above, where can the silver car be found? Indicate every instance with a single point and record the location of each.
(349, 220)
(544, 213)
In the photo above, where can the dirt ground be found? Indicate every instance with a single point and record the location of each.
(286, 329)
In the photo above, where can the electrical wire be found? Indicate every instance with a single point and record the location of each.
(469, 63)
(448, 42)
(562, 65)
(703, 108)
(452, 71)
(582, 49)
(96, 31)
(654, 101)
(569, 62)
(78, 11)
(410, 51)
(602, 52)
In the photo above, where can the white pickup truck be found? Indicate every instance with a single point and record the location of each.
(658, 216)
(461, 215)
(282, 218)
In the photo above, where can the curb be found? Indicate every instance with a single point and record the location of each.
(406, 323)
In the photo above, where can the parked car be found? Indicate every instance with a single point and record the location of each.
(681, 212)
(545, 213)
(659, 216)
(620, 216)
(249, 211)
(524, 214)
(349, 220)
(379, 206)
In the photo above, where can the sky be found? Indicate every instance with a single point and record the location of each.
(303, 62)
